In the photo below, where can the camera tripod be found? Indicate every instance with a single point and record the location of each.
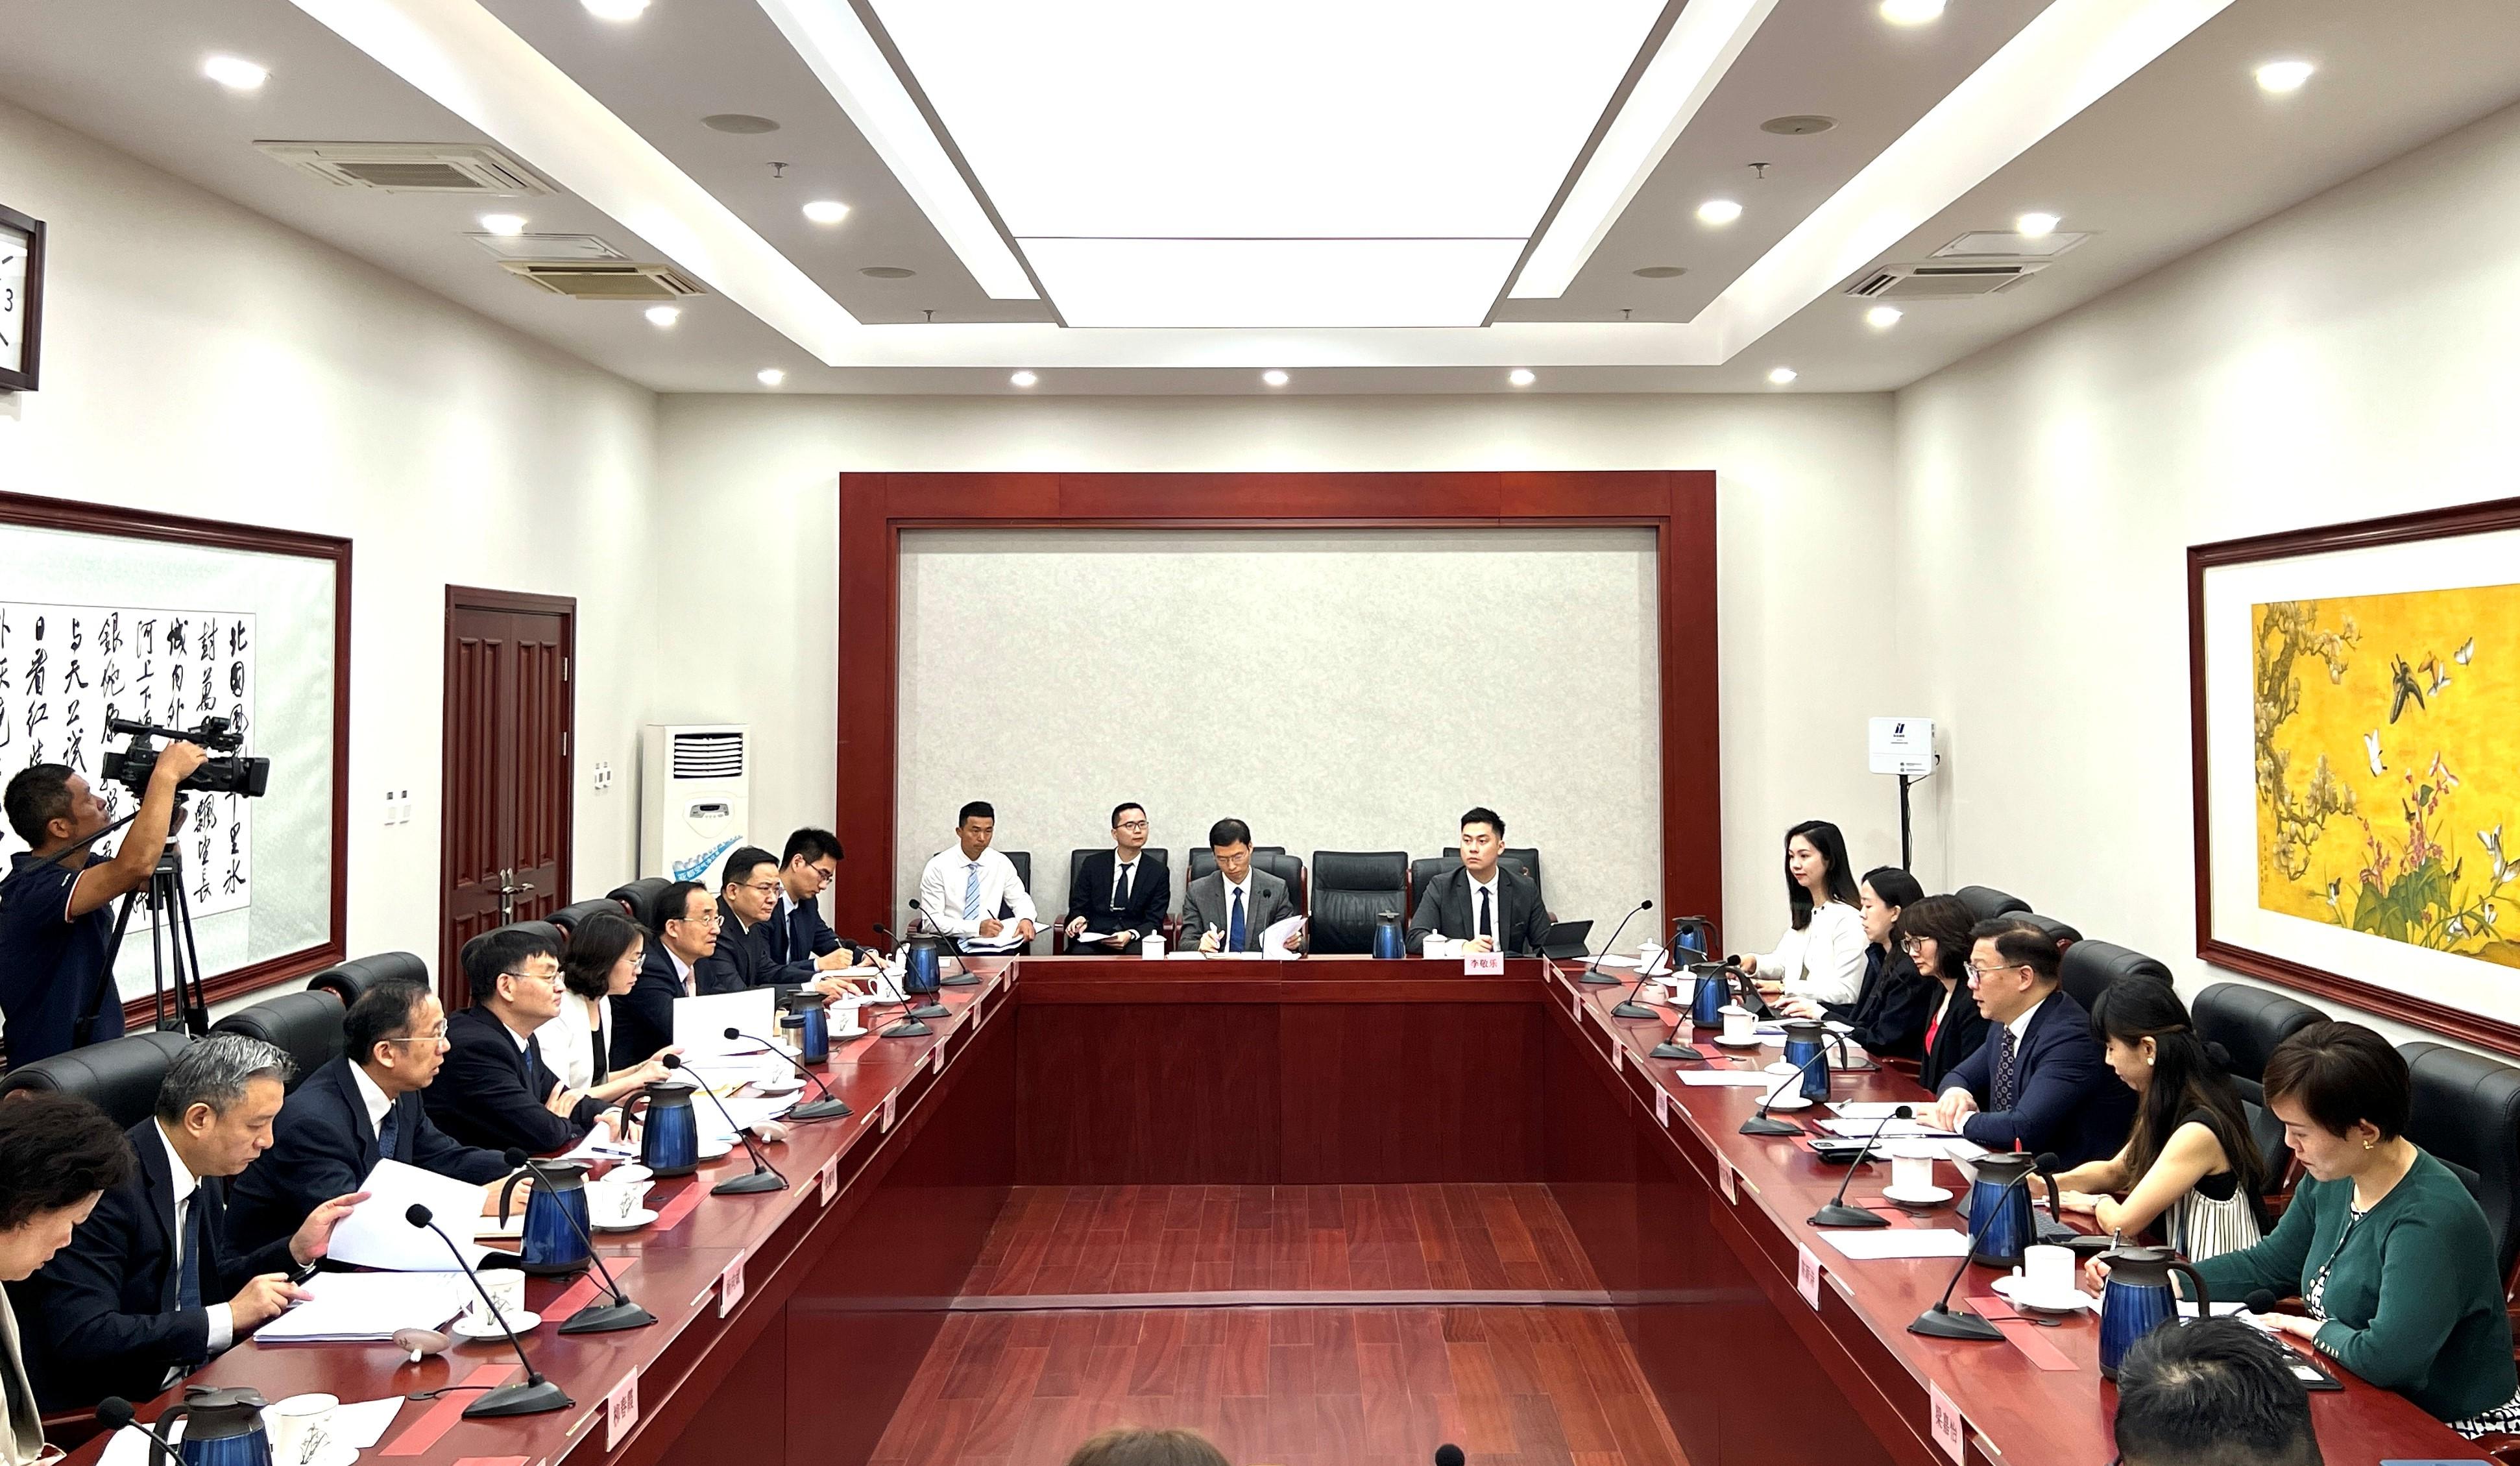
(172, 951)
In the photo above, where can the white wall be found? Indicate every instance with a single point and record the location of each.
(202, 360)
(2348, 357)
(1804, 540)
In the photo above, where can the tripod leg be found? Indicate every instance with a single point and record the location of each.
(194, 1001)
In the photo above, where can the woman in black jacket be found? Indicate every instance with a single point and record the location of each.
(1892, 1007)
(1935, 935)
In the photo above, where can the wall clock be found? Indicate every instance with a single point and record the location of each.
(21, 299)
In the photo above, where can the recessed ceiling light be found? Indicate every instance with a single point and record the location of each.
(1521, 377)
(2034, 226)
(887, 271)
(742, 123)
(1274, 377)
(1910, 12)
(827, 212)
(235, 72)
(664, 315)
(1781, 375)
(1023, 378)
(1882, 317)
(615, 10)
(504, 224)
(1798, 125)
(770, 376)
(2285, 75)
(1661, 272)
(1718, 211)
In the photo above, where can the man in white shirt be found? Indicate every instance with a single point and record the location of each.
(1232, 907)
(1479, 906)
(148, 1288)
(963, 890)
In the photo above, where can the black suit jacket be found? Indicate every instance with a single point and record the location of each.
(792, 937)
(738, 961)
(1151, 900)
(643, 1018)
(1963, 1029)
(490, 1092)
(1888, 1015)
(322, 1146)
(1444, 909)
(2067, 1099)
(100, 1319)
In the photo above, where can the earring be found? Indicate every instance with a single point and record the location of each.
(2367, 1145)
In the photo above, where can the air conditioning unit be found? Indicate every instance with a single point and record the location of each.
(412, 167)
(1944, 282)
(693, 798)
(604, 280)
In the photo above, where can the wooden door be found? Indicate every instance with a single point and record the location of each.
(505, 845)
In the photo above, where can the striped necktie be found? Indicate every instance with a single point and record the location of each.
(971, 894)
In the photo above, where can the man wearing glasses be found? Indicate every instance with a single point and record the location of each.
(1121, 894)
(2039, 1082)
(687, 934)
(499, 1090)
(801, 946)
(362, 1107)
(746, 897)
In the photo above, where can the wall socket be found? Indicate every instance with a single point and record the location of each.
(602, 778)
(397, 806)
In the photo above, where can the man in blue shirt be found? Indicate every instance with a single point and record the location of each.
(55, 990)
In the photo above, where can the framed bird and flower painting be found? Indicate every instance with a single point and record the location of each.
(2355, 692)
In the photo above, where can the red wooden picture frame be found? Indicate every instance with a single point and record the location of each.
(2362, 534)
(1677, 504)
(38, 512)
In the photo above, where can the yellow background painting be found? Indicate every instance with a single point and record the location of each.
(2388, 765)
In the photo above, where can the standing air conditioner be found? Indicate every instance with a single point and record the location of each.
(693, 799)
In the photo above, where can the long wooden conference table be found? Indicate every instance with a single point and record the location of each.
(790, 1323)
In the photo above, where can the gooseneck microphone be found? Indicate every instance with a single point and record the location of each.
(595, 1317)
(536, 1395)
(116, 1413)
(765, 1177)
(1760, 1124)
(958, 980)
(1837, 1213)
(829, 1107)
(1593, 969)
(1627, 1006)
(1938, 1321)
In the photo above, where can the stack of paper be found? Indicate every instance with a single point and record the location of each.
(376, 1234)
(366, 1306)
(1893, 1130)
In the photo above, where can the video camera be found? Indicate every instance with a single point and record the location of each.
(228, 775)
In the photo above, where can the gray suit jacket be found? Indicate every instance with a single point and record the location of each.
(1205, 905)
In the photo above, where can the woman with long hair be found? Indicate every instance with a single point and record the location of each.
(1889, 1015)
(1934, 933)
(1821, 956)
(2189, 1163)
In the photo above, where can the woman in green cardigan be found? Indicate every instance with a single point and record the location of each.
(2382, 1241)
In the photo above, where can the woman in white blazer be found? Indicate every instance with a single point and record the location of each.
(601, 964)
(1821, 956)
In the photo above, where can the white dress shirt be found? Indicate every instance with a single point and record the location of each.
(682, 971)
(1251, 915)
(1493, 885)
(371, 1096)
(1825, 960)
(568, 1040)
(186, 1185)
(942, 886)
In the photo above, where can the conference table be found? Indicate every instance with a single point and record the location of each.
(790, 1323)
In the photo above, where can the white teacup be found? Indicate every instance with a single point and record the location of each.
(614, 1200)
(1740, 1027)
(1152, 948)
(2048, 1270)
(300, 1427)
(1653, 991)
(1911, 1168)
(506, 1287)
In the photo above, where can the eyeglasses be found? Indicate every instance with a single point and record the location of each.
(1131, 825)
(1981, 974)
(551, 977)
(705, 919)
(436, 1035)
(1912, 944)
(763, 887)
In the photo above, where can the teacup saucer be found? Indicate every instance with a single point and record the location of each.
(1751, 1041)
(1920, 1198)
(481, 1330)
(643, 1216)
(1784, 1102)
(2016, 1292)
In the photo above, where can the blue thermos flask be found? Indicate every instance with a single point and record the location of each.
(807, 1023)
(1999, 1213)
(221, 1427)
(1807, 1050)
(2136, 1298)
(1390, 941)
(669, 1144)
(552, 1246)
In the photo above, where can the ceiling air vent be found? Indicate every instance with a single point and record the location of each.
(605, 280)
(412, 167)
(1944, 282)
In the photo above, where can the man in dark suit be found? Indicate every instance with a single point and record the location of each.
(1232, 907)
(747, 893)
(687, 933)
(151, 1286)
(1120, 891)
(800, 945)
(362, 1107)
(1479, 906)
(497, 1093)
(2039, 1082)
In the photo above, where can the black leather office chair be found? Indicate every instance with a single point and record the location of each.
(1524, 859)
(1203, 858)
(1158, 864)
(1986, 903)
(306, 1026)
(119, 1075)
(568, 917)
(2065, 936)
(2089, 967)
(2249, 1022)
(639, 899)
(2466, 1112)
(1350, 888)
(357, 975)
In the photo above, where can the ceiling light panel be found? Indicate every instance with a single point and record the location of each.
(1271, 283)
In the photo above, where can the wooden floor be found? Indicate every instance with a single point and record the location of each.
(1211, 1239)
(1048, 1345)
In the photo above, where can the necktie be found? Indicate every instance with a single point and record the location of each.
(188, 1272)
(2006, 1077)
(1487, 915)
(387, 1132)
(1120, 888)
(1234, 929)
(778, 932)
(971, 894)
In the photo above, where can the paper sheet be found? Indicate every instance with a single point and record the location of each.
(366, 1306)
(376, 1234)
(700, 1023)
(1278, 941)
(1725, 1079)
(1896, 1130)
(1899, 1242)
(1611, 961)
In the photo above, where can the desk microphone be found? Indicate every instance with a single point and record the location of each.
(765, 1177)
(595, 1317)
(1938, 1321)
(829, 1107)
(1449, 1454)
(1837, 1213)
(1627, 1006)
(536, 1395)
(1593, 969)
(116, 1413)
(1759, 1125)
(958, 980)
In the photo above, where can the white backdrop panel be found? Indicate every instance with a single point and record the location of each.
(1340, 690)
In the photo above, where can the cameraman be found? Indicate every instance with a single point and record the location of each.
(54, 930)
